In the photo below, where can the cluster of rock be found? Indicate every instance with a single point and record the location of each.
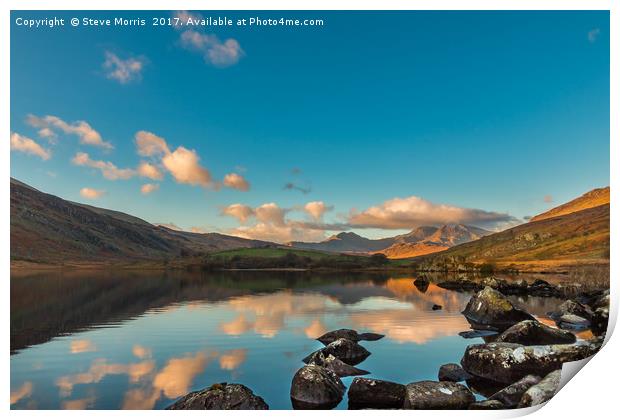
(519, 287)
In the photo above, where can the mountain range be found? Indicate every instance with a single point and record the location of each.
(420, 241)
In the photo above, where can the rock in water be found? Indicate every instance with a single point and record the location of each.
(316, 388)
(543, 391)
(453, 372)
(436, 307)
(332, 336)
(484, 387)
(221, 396)
(461, 284)
(431, 395)
(346, 350)
(573, 322)
(571, 307)
(374, 393)
(489, 309)
(370, 336)
(543, 289)
(533, 333)
(487, 405)
(511, 395)
(337, 366)
(352, 335)
(508, 362)
(477, 333)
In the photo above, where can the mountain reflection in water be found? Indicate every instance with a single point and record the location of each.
(140, 340)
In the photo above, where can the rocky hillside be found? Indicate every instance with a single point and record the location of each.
(48, 229)
(422, 240)
(594, 198)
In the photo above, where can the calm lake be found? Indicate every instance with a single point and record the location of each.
(136, 340)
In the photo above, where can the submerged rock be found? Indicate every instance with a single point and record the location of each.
(477, 333)
(349, 334)
(511, 395)
(346, 350)
(315, 387)
(534, 333)
(487, 405)
(452, 372)
(221, 396)
(508, 362)
(337, 366)
(431, 395)
(489, 309)
(543, 391)
(374, 393)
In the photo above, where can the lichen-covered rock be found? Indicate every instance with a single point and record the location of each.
(543, 391)
(431, 395)
(511, 395)
(221, 396)
(337, 366)
(315, 387)
(375, 393)
(346, 350)
(534, 333)
(489, 309)
(452, 372)
(349, 334)
(509, 362)
(487, 405)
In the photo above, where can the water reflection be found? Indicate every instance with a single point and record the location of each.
(142, 340)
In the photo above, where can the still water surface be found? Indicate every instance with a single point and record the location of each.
(104, 340)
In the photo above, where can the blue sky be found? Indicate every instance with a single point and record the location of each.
(385, 120)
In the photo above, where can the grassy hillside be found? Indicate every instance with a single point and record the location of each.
(594, 198)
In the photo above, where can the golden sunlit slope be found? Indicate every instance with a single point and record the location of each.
(590, 199)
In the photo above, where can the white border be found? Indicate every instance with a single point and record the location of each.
(592, 395)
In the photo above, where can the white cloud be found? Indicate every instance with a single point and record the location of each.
(148, 170)
(184, 166)
(236, 182)
(123, 71)
(150, 144)
(91, 193)
(213, 50)
(593, 34)
(270, 213)
(149, 188)
(316, 209)
(81, 129)
(277, 233)
(409, 212)
(240, 212)
(108, 169)
(27, 145)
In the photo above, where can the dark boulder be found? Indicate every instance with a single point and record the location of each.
(489, 309)
(543, 289)
(511, 395)
(600, 320)
(337, 366)
(436, 307)
(421, 283)
(346, 350)
(483, 386)
(315, 387)
(452, 372)
(221, 396)
(431, 395)
(509, 362)
(517, 287)
(374, 393)
(477, 333)
(602, 301)
(543, 391)
(487, 405)
(534, 333)
(368, 336)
